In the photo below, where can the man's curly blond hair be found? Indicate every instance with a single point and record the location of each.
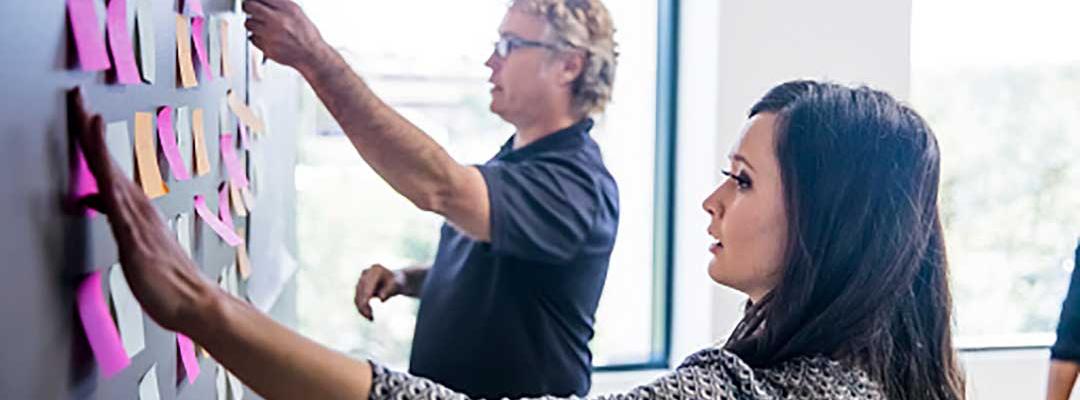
(582, 25)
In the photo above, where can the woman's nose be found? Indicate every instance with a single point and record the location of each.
(712, 203)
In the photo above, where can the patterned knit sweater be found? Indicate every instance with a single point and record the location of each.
(711, 373)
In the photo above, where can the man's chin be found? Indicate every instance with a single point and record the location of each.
(495, 109)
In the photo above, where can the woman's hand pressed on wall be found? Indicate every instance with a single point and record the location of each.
(162, 276)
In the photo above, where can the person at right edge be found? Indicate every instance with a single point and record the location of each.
(1065, 354)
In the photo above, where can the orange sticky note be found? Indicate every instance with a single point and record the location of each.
(183, 52)
(242, 261)
(226, 69)
(146, 156)
(202, 160)
(246, 115)
(237, 201)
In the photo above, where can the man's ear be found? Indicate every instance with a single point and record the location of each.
(572, 65)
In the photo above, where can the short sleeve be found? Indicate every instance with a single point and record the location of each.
(1067, 346)
(541, 209)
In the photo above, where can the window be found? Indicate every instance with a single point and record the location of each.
(425, 58)
(999, 83)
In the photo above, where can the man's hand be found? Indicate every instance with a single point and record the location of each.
(281, 30)
(162, 277)
(379, 281)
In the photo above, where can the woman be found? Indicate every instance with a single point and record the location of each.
(828, 221)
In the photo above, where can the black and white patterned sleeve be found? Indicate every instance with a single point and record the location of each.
(694, 382)
(686, 382)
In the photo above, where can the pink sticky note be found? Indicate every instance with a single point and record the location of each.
(232, 162)
(99, 327)
(82, 182)
(187, 357)
(89, 41)
(167, 138)
(127, 72)
(245, 140)
(193, 8)
(227, 234)
(223, 206)
(197, 26)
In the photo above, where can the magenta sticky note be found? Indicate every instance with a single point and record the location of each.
(232, 161)
(82, 182)
(99, 327)
(193, 8)
(227, 234)
(187, 357)
(198, 25)
(89, 42)
(127, 72)
(167, 138)
(223, 206)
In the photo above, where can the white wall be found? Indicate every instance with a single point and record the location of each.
(731, 52)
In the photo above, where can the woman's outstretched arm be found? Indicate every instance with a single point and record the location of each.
(271, 359)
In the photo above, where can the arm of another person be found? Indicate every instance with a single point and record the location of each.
(1061, 380)
(410, 161)
(1065, 354)
(380, 282)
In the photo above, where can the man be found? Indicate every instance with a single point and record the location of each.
(508, 306)
(1065, 354)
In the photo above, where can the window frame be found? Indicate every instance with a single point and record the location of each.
(667, 59)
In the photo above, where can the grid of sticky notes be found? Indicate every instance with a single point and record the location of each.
(162, 148)
(126, 47)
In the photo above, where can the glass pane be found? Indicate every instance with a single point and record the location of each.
(429, 66)
(999, 83)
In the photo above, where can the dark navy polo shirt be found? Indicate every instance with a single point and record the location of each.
(513, 317)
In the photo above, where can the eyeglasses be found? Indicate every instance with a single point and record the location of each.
(507, 44)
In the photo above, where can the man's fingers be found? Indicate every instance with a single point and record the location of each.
(258, 9)
(275, 4)
(253, 25)
(365, 310)
(256, 40)
(386, 288)
(367, 289)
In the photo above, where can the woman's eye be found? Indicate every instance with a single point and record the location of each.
(741, 179)
(744, 180)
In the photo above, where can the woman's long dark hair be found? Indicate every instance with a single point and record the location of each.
(865, 277)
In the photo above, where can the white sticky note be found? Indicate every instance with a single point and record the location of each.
(148, 385)
(182, 126)
(129, 314)
(118, 141)
(222, 384)
(144, 16)
(232, 280)
(182, 225)
(215, 45)
(236, 387)
(223, 116)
